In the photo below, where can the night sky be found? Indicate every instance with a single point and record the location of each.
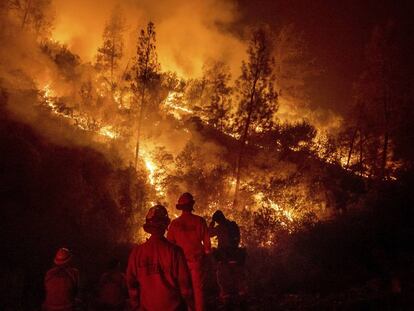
(336, 33)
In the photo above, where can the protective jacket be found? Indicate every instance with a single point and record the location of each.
(61, 286)
(228, 234)
(158, 277)
(190, 232)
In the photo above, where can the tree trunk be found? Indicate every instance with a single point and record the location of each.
(141, 113)
(26, 13)
(351, 148)
(243, 142)
(384, 154)
(112, 65)
(238, 172)
(141, 110)
(361, 168)
(386, 136)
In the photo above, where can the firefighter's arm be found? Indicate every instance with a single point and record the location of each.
(184, 279)
(170, 234)
(212, 229)
(132, 281)
(206, 237)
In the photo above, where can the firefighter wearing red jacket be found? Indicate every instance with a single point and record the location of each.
(61, 284)
(157, 275)
(190, 232)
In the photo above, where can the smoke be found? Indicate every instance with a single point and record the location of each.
(323, 119)
(188, 32)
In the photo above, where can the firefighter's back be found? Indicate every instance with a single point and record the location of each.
(187, 231)
(61, 286)
(156, 264)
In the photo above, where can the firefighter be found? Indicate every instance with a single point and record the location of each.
(61, 284)
(158, 278)
(230, 261)
(190, 232)
(112, 289)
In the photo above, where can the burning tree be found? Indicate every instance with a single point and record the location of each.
(112, 49)
(379, 92)
(294, 68)
(256, 96)
(218, 92)
(145, 74)
(34, 15)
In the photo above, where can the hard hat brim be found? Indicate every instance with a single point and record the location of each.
(62, 262)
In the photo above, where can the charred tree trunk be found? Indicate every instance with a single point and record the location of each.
(140, 116)
(142, 106)
(384, 154)
(112, 65)
(386, 136)
(26, 13)
(361, 167)
(243, 140)
(239, 160)
(351, 147)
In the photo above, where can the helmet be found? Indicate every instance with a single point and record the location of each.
(157, 219)
(218, 216)
(185, 202)
(62, 256)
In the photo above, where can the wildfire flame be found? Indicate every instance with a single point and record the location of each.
(172, 105)
(153, 179)
(176, 106)
(81, 121)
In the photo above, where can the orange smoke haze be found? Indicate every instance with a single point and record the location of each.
(188, 32)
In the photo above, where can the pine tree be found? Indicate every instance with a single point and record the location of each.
(216, 106)
(112, 49)
(145, 74)
(34, 15)
(378, 94)
(256, 96)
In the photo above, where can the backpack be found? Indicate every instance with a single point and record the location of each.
(234, 233)
(233, 253)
